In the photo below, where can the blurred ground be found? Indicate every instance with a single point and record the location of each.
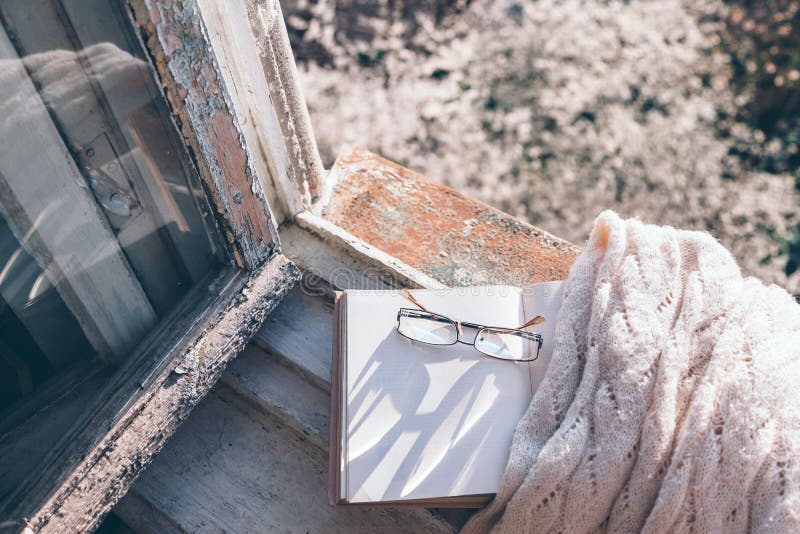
(679, 112)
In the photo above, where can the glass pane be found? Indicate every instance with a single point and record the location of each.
(508, 345)
(427, 327)
(103, 225)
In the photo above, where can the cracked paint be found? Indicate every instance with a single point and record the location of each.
(193, 85)
(448, 236)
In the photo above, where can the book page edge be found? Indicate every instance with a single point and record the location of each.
(335, 427)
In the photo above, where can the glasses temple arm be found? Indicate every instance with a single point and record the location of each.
(407, 294)
(536, 320)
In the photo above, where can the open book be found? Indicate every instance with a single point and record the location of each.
(429, 425)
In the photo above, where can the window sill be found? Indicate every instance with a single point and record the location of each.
(383, 226)
(446, 235)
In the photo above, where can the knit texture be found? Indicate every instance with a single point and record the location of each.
(672, 400)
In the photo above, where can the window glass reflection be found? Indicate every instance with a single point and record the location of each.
(103, 225)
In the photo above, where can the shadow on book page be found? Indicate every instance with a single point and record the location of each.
(424, 421)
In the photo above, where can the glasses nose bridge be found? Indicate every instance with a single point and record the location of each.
(460, 333)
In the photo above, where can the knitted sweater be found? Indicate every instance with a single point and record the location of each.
(672, 400)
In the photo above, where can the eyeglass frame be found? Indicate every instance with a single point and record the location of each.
(531, 336)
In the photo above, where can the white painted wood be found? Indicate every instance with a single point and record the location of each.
(271, 40)
(324, 250)
(300, 331)
(228, 470)
(94, 463)
(48, 205)
(235, 50)
(272, 387)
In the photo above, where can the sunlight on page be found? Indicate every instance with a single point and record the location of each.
(423, 421)
(373, 403)
(456, 425)
(420, 418)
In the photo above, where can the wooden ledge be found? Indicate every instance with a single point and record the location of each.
(446, 235)
(94, 463)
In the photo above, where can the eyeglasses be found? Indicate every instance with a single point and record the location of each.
(511, 344)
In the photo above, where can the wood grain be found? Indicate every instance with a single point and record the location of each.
(177, 40)
(237, 471)
(449, 236)
(93, 465)
(300, 331)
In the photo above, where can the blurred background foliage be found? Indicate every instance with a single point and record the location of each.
(683, 112)
(762, 39)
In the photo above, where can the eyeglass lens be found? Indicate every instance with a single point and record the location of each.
(427, 327)
(507, 345)
(435, 329)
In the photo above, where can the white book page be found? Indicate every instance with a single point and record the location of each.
(428, 421)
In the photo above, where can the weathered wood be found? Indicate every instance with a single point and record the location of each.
(232, 40)
(346, 261)
(259, 384)
(50, 210)
(243, 471)
(176, 37)
(277, 60)
(94, 465)
(284, 383)
(448, 236)
(300, 332)
(264, 380)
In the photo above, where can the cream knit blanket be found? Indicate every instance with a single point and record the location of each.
(671, 403)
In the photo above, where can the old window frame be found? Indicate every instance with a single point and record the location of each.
(94, 463)
(229, 79)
